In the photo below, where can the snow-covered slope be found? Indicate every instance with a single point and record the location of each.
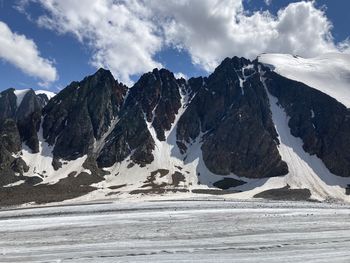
(49, 94)
(20, 95)
(41, 162)
(167, 157)
(329, 73)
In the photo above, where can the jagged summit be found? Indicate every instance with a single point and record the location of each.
(244, 128)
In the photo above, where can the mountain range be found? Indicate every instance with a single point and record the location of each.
(277, 127)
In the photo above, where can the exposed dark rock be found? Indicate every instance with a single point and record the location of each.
(240, 136)
(81, 113)
(155, 99)
(130, 135)
(28, 118)
(19, 122)
(80, 180)
(130, 165)
(91, 165)
(10, 143)
(213, 191)
(177, 178)
(19, 166)
(347, 190)
(33, 180)
(285, 193)
(150, 182)
(26, 115)
(319, 120)
(158, 93)
(9, 136)
(41, 193)
(8, 104)
(43, 99)
(112, 193)
(227, 183)
(56, 164)
(114, 187)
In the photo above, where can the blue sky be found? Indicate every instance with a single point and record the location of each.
(68, 50)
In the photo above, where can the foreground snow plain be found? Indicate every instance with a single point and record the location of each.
(192, 230)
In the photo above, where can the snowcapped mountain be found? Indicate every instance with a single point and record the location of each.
(329, 73)
(277, 127)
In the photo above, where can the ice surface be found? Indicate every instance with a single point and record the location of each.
(172, 231)
(329, 73)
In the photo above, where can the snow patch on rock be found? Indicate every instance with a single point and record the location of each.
(40, 164)
(49, 94)
(20, 95)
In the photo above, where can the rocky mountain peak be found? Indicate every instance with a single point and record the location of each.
(158, 93)
(152, 104)
(82, 113)
(8, 105)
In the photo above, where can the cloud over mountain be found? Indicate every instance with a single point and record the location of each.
(125, 36)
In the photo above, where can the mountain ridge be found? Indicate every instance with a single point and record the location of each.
(167, 135)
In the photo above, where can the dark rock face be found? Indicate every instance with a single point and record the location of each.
(81, 114)
(227, 183)
(26, 115)
(10, 138)
(158, 94)
(28, 118)
(319, 120)
(286, 194)
(8, 104)
(18, 123)
(130, 135)
(43, 99)
(239, 132)
(154, 100)
(10, 142)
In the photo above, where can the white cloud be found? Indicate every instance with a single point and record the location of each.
(23, 53)
(125, 35)
(121, 34)
(213, 29)
(268, 2)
